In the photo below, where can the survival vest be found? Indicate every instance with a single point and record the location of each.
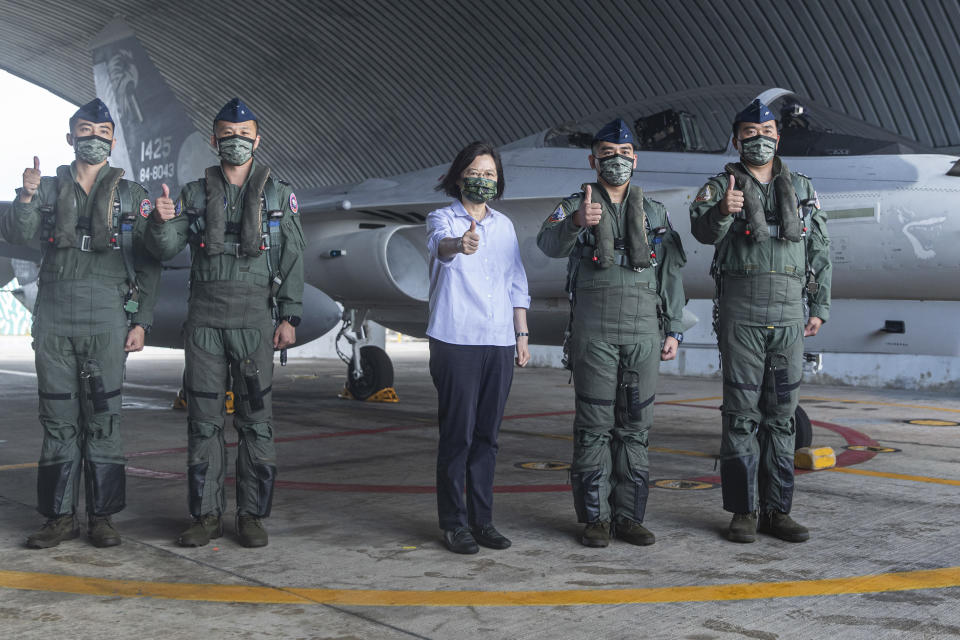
(258, 233)
(108, 228)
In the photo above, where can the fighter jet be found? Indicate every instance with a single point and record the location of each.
(887, 198)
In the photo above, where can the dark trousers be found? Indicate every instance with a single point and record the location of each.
(472, 383)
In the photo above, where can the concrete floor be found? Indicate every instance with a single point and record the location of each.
(355, 549)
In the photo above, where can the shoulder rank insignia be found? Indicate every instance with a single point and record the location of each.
(294, 205)
(145, 207)
(705, 194)
(558, 215)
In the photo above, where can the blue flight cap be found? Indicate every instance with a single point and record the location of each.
(94, 111)
(615, 131)
(235, 111)
(756, 112)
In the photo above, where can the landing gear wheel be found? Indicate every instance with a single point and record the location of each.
(804, 430)
(377, 373)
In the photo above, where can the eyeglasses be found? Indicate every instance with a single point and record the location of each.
(473, 173)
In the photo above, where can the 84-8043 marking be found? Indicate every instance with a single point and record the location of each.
(157, 172)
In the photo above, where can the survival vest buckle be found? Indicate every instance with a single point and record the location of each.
(85, 243)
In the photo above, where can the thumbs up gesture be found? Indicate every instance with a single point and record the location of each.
(732, 200)
(164, 209)
(471, 239)
(588, 215)
(31, 181)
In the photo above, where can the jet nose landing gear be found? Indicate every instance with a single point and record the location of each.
(369, 370)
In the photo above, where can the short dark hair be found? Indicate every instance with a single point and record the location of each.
(463, 160)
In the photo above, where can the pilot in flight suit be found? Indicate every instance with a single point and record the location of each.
(246, 298)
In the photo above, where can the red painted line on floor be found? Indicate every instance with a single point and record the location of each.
(310, 436)
(390, 488)
(845, 458)
(358, 488)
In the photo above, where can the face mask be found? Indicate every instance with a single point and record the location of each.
(615, 170)
(91, 149)
(758, 150)
(235, 150)
(479, 190)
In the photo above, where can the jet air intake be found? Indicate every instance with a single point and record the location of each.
(373, 266)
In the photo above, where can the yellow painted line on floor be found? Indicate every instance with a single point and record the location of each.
(885, 582)
(883, 404)
(24, 465)
(896, 476)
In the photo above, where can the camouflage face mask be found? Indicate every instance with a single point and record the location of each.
(91, 149)
(758, 150)
(479, 190)
(235, 150)
(616, 169)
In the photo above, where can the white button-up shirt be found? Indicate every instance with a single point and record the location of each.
(472, 297)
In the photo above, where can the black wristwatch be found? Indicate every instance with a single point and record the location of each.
(146, 327)
(293, 321)
(676, 334)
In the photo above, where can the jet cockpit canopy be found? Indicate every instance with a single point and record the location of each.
(699, 121)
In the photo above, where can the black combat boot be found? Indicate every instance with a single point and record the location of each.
(782, 526)
(250, 531)
(54, 531)
(201, 531)
(743, 528)
(634, 532)
(101, 532)
(596, 534)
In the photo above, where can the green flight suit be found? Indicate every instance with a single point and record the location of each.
(619, 314)
(760, 326)
(80, 329)
(228, 336)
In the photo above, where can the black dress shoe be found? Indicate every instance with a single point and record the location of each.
(460, 540)
(488, 536)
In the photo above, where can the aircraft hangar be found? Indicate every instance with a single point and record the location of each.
(353, 90)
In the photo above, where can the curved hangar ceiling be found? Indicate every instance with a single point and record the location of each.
(350, 90)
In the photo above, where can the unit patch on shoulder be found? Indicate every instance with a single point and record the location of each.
(178, 206)
(294, 205)
(558, 215)
(145, 207)
(705, 194)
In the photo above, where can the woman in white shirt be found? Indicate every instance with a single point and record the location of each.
(478, 318)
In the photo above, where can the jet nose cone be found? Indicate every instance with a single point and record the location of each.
(320, 314)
